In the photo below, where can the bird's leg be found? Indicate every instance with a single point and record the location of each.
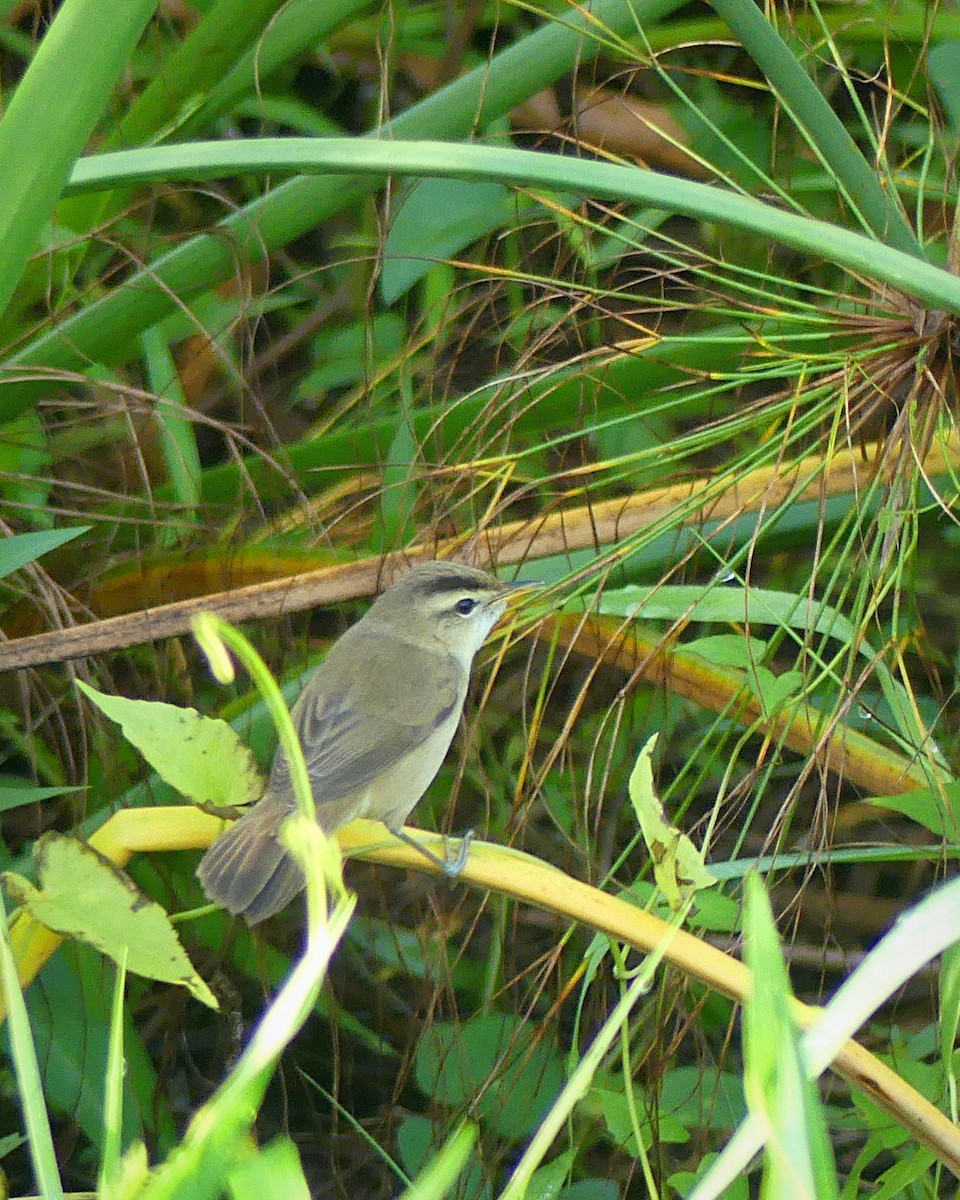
(451, 867)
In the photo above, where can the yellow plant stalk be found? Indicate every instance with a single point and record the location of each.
(532, 881)
(852, 755)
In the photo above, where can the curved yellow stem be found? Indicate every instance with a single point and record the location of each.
(529, 880)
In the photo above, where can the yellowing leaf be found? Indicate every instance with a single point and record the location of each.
(677, 864)
(84, 895)
(200, 756)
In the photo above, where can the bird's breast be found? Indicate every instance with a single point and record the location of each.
(393, 795)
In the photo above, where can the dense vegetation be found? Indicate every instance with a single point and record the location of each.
(655, 303)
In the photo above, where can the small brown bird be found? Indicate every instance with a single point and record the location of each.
(375, 722)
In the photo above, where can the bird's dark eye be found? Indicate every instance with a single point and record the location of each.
(465, 606)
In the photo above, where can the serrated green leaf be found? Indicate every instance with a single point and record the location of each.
(84, 895)
(200, 756)
(678, 865)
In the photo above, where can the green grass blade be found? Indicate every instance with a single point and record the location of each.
(113, 1087)
(23, 548)
(296, 27)
(612, 181)
(949, 1014)
(798, 1160)
(49, 120)
(29, 1086)
(917, 938)
(198, 64)
(187, 75)
(439, 1177)
(490, 91)
(178, 441)
(582, 1075)
(811, 110)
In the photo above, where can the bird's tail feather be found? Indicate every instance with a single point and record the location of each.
(247, 871)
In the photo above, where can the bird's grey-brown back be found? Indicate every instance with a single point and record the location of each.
(375, 721)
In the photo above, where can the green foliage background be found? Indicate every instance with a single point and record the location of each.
(287, 287)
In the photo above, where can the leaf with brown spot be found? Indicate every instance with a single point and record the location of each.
(84, 895)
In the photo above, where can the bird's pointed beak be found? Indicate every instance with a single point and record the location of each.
(512, 591)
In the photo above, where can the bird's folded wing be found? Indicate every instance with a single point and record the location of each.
(351, 736)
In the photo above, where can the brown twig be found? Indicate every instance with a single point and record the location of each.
(604, 524)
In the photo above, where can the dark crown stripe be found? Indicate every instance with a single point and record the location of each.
(446, 583)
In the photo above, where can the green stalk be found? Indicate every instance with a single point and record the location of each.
(298, 25)
(105, 331)
(196, 66)
(808, 107)
(182, 82)
(52, 114)
(26, 1066)
(854, 251)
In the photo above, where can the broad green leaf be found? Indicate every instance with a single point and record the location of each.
(417, 1142)
(69, 1015)
(773, 690)
(677, 864)
(729, 650)
(23, 548)
(447, 1166)
(348, 354)
(82, 894)
(618, 1119)
(547, 1181)
(589, 1189)
(200, 756)
(703, 1098)
(943, 64)
(724, 602)
(438, 218)
(684, 1183)
(936, 808)
(401, 476)
(762, 606)
(455, 1062)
